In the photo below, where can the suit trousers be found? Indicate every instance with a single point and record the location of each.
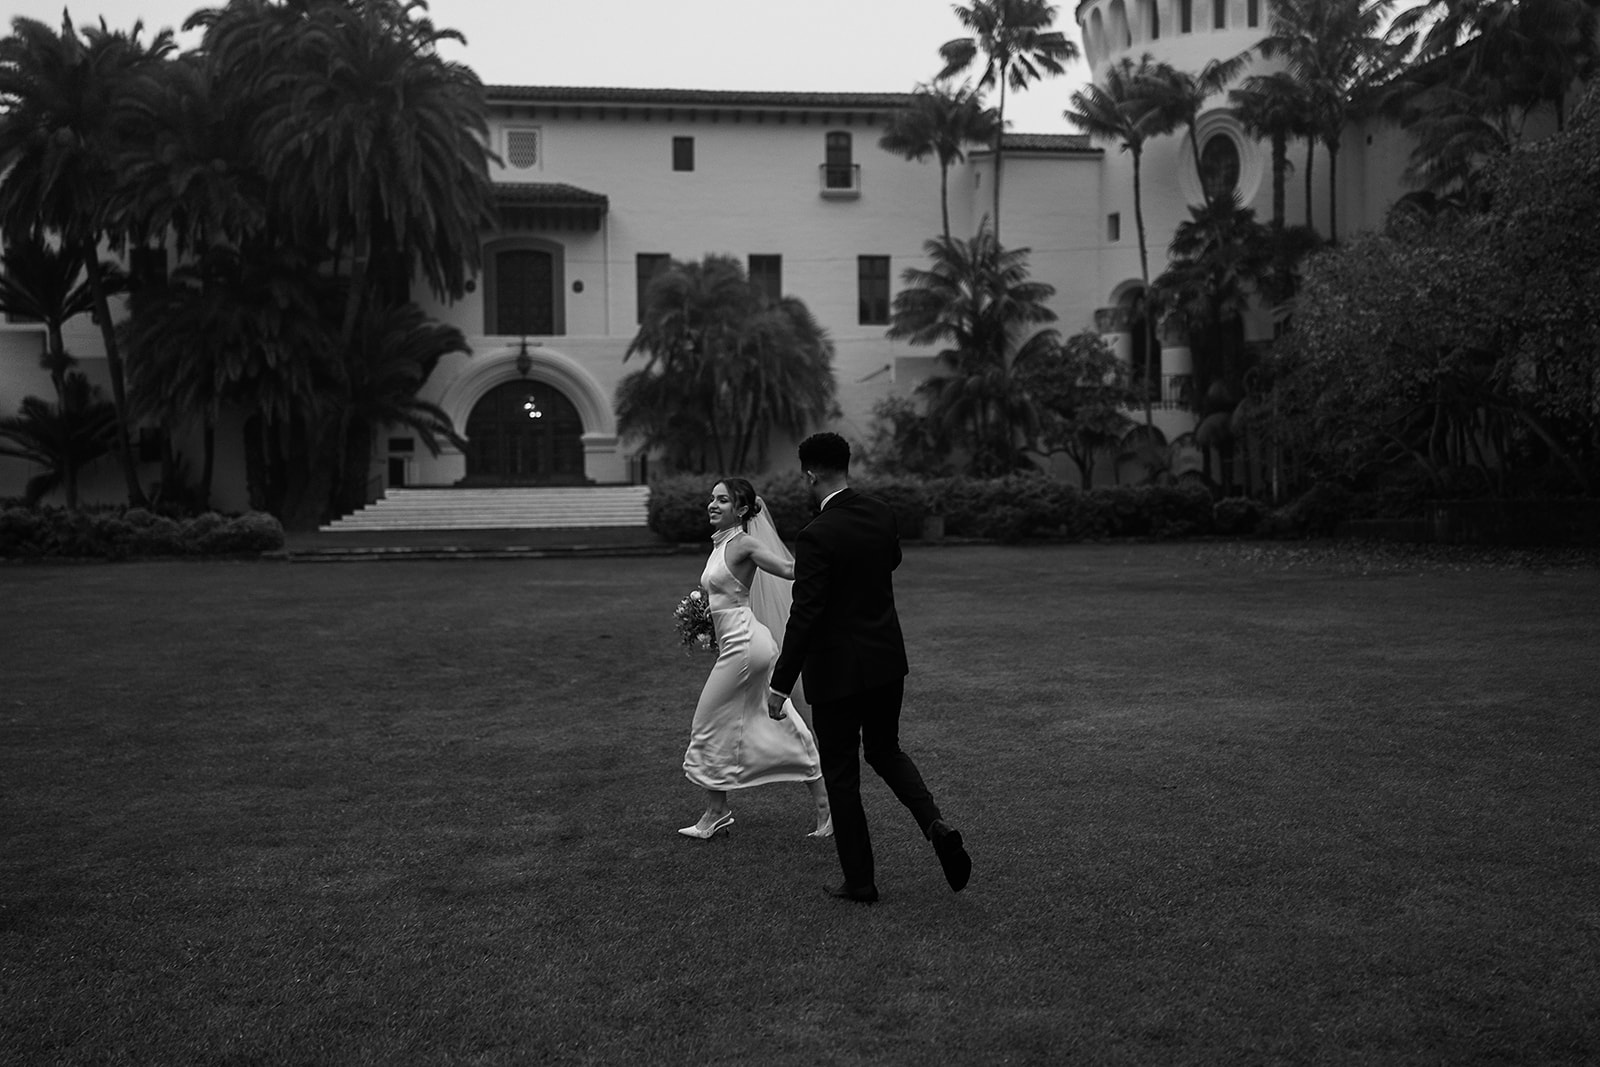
(869, 722)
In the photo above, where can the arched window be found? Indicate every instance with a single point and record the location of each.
(1120, 38)
(1219, 166)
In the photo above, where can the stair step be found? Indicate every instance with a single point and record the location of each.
(494, 509)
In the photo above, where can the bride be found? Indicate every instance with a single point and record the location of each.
(732, 741)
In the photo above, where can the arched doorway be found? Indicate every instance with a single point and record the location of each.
(524, 433)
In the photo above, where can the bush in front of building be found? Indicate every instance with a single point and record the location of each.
(45, 533)
(1012, 508)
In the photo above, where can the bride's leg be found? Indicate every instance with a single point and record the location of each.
(716, 806)
(819, 797)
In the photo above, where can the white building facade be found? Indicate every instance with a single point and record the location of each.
(599, 186)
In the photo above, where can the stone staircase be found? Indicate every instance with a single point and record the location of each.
(543, 508)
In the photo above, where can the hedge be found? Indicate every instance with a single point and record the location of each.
(32, 533)
(1009, 509)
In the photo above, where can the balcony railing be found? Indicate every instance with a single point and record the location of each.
(1171, 392)
(840, 181)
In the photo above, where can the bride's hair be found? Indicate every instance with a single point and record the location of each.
(744, 496)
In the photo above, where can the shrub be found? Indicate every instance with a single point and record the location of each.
(254, 531)
(1236, 516)
(1316, 513)
(907, 497)
(125, 534)
(677, 508)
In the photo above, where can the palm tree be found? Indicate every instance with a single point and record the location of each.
(60, 100)
(1530, 51)
(940, 121)
(1018, 47)
(1123, 110)
(396, 351)
(782, 378)
(723, 364)
(976, 300)
(371, 139)
(44, 282)
(1338, 53)
(63, 437)
(239, 328)
(1220, 260)
(1274, 107)
(186, 164)
(1178, 96)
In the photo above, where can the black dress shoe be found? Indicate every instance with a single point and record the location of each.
(867, 894)
(952, 855)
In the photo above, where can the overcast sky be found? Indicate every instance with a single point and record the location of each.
(815, 45)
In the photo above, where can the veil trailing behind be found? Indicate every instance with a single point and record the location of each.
(770, 596)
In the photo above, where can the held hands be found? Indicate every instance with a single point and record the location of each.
(775, 705)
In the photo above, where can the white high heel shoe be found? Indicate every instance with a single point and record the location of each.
(825, 830)
(707, 833)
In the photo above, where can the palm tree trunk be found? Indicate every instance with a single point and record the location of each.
(208, 465)
(1280, 167)
(999, 150)
(1311, 156)
(1144, 276)
(119, 391)
(1333, 191)
(944, 197)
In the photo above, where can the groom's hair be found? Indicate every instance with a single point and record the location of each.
(825, 452)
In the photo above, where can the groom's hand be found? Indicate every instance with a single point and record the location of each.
(775, 701)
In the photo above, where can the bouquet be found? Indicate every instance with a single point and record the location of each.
(693, 617)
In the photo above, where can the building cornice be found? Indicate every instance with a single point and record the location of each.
(567, 101)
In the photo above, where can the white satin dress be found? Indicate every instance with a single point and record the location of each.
(733, 742)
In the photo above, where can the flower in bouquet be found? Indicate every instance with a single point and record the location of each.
(693, 618)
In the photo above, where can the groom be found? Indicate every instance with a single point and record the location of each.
(844, 632)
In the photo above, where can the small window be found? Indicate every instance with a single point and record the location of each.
(1219, 14)
(1114, 227)
(399, 445)
(1155, 20)
(1185, 16)
(872, 290)
(766, 274)
(683, 153)
(522, 149)
(837, 160)
(1252, 13)
(646, 266)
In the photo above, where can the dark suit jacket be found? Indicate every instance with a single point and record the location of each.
(843, 631)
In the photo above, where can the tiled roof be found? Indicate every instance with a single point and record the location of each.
(1049, 142)
(568, 94)
(548, 194)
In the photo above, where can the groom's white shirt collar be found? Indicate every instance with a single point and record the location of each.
(830, 496)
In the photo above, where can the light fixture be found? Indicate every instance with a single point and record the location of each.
(524, 361)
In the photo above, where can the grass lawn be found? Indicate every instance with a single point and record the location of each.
(1222, 809)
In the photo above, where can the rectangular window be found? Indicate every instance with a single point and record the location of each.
(646, 266)
(838, 169)
(872, 290)
(1219, 14)
(522, 149)
(1114, 227)
(1185, 16)
(766, 274)
(1252, 13)
(683, 153)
